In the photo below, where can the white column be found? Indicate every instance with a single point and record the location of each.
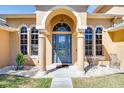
(42, 52)
(80, 50)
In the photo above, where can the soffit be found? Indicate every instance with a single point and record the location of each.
(78, 8)
(103, 16)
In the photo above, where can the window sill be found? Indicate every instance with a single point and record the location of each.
(99, 57)
(35, 57)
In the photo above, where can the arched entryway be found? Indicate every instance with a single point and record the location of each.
(71, 33)
(62, 44)
(61, 39)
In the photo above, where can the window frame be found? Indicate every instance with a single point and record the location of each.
(22, 35)
(60, 26)
(97, 39)
(35, 39)
(88, 50)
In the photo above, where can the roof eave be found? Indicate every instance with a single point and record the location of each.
(101, 15)
(19, 15)
(116, 28)
(98, 8)
(9, 29)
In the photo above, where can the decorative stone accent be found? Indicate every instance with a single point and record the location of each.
(114, 61)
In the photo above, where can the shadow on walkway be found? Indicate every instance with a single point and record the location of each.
(90, 66)
(58, 67)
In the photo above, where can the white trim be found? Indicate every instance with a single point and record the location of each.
(40, 28)
(34, 56)
(61, 32)
(29, 42)
(22, 25)
(100, 27)
(82, 28)
(96, 39)
(33, 15)
(116, 27)
(28, 31)
(9, 29)
(32, 39)
(103, 16)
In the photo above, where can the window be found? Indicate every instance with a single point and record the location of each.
(88, 41)
(62, 27)
(34, 41)
(23, 40)
(98, 41)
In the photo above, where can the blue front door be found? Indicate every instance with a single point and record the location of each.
(61, 48)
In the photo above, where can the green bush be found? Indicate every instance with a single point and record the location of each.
(20, 61)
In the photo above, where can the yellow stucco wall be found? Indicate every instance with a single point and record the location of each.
(113, 42)
(4, 48)
(14, 46)
(15, 38)
(118, 36)
(106, 23)
(118, 41)
(108, 45)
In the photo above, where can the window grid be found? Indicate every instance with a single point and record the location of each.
(34, 41)
(88, 41)
(99, 41)
(23, 40)
(62, 27)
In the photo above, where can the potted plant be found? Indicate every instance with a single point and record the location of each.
(20, 61)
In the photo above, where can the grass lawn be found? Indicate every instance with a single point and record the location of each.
(7, 81)
(109, 81)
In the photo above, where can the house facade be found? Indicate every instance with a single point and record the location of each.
(64, 34)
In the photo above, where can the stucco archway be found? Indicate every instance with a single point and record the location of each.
(61, 10)
(53, 18)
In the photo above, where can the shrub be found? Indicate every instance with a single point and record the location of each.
(20, 61)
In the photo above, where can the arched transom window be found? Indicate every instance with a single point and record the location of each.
(23, 40)
(99, 41)
(61, 27)
(88, 41)
(34, 41)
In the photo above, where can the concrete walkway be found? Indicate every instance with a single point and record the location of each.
(61, 83)
(65, 72)
(61, 76)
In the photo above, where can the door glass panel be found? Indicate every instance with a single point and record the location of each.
(62, 43)
(61, 48)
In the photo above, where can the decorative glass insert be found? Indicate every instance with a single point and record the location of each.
(88, 41)
(61, 27)
(34, 41)
(99, 41)
(23, 40)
